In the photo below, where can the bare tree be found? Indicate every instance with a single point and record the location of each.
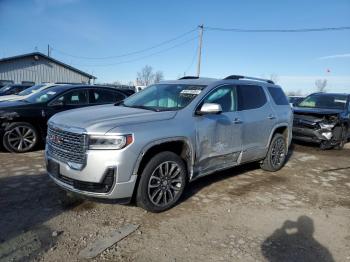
(158, 76)
(321, 85)
(146, 76)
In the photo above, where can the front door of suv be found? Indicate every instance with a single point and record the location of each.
(218, 136)
(259, 120)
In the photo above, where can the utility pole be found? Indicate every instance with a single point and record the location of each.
(200, 49)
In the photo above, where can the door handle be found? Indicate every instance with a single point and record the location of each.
(237, 121)
(271, 116)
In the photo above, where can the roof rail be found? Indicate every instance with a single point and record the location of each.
(188, 77)
(238, 77)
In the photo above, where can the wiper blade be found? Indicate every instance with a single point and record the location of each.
(146, 108)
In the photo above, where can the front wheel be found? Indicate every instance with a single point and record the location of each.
(162, 182)
(20, 137)
(276, 156)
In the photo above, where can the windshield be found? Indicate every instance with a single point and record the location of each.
(164, 97)
(45, 95)
(30, 90)
(4, 88)
(327, 101)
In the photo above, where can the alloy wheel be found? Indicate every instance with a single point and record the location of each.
(165, 183)
(21, 138)
(278, 152)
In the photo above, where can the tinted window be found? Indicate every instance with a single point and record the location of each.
(250, 97)
(100, 96)
(279, 97)
(224, 96)
(77, 97)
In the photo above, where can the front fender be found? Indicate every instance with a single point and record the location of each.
(162, 141)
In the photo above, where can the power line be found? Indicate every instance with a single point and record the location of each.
(143, 57)
(192, 61)
(300, 30)
(130, 53)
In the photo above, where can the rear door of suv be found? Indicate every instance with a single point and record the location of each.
(259, 120)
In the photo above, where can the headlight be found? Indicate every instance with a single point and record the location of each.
(328, 126)
(109, 142)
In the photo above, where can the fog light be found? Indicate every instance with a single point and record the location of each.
(327, 135)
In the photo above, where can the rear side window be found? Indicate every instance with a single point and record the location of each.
(250, 97)
(278, 96)
(101, 96)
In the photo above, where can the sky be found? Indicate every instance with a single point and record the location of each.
(80, 29)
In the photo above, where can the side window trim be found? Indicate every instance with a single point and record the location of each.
(213, 90)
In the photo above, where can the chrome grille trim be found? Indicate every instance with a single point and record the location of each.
(67, 147)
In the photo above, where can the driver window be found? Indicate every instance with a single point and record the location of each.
(78, 97)
(224, 96)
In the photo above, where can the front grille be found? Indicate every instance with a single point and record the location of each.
(66, 146)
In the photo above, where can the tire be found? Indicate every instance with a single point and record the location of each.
(344, 138)
(274, 161)
(20, 137)
(162, 182)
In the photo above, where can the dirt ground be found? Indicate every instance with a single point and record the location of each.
(301, 213)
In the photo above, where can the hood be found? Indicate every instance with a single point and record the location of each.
(7, 105)
(101, 119)
(316, 111)
(11, 97)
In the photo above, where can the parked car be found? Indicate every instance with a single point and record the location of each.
(24, 122)
(293, 100)
(171, 133)
(26, 93)
(12, 89)
(324, 119)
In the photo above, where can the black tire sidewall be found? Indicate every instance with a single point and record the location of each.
(142, 197)
(14, 125)
(267, 164)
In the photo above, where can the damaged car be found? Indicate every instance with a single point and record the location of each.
(323, 118)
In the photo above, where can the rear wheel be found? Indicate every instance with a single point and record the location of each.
(20, 137)
(162, 182)
(276, 156)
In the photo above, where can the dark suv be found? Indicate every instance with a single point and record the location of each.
(24, 123)
(324, 119)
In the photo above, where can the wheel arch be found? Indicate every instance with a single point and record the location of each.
(283, 129)
(179, 145)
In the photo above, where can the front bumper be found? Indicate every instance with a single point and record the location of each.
(91, 179)
(313, 135)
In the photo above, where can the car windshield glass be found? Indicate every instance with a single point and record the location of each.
(5, 88)
(164, 97)
(327, 101)
(45, 95)
(30, 90)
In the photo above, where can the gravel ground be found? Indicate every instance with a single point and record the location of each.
(301, 213)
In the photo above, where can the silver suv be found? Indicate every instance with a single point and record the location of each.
(156, 141)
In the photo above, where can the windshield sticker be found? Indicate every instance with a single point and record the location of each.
(191, 92)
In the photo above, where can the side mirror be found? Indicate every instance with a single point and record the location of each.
(210, 108)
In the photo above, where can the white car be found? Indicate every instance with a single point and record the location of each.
(27, 92)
